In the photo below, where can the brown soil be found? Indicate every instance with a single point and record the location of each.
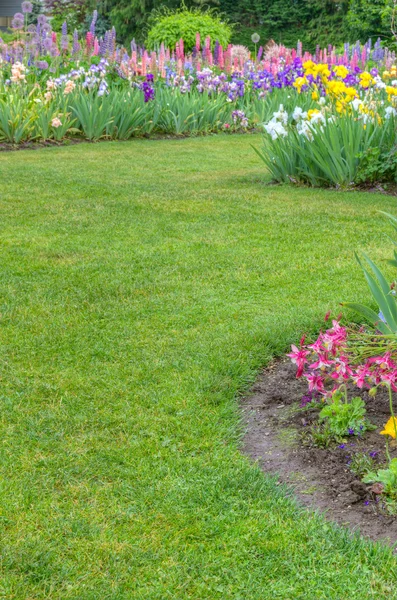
(277, 437)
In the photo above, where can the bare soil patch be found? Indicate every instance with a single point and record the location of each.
(277, 438)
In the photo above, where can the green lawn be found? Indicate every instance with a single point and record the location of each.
(143, 285)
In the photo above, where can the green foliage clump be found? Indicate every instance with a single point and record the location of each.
(287, 21)
(170, 27)
(343, 417)
(370, 18)
(377, 166)
(387, 478)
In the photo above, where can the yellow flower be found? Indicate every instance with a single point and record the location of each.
(351, 92)
(299, 83)
(386, 74)
(339, 106)
(390, 428)
(366, 79)
(341, 71)
(312, 112)
(314, 95)
(310, 68)
(336, 88)
(390, 91)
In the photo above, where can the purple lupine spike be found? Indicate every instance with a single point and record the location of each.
(378, 52)
(216, 52)
(64, 38)
(93, 22)
(113, 40)
(107, 43)
(102, 47)
(76, 45)
(260, 54)
(133, 46)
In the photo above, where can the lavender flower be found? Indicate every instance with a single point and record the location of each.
(42, 65)
(18, 21)
(27, 7)
(64, 38)
(93, 22)
(76, 45)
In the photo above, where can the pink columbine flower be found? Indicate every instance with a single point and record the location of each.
(342, 369)
(322, 362)
(359, 377)
(299, 358)
(318, 345)
(316, 383)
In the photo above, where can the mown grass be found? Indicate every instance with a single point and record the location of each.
(143, 284)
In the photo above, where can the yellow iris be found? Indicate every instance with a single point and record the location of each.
(299, 83)
(390, 428)
(312, 112)
(341, 71)
(366, 79)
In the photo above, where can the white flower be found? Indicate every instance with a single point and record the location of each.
(356, 103)
(317, 118)
(379, 83)
(275, 129)
(390, 111)
(322, 101)
(281, 115)
(298, 114)
(303, 128)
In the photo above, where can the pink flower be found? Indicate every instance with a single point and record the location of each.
(299, 358)
(316, 383)
(322, 362)
(342, 369)
(318, 344)
(362, 372)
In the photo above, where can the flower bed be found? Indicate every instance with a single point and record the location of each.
(57, 86)
(329, 479)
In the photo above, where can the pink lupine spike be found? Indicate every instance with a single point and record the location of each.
(144, 59)
(153, 63)
(221, 60)
(198, 41)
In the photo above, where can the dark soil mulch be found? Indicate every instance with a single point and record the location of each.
(277, 437)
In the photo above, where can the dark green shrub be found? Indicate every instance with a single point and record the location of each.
(170, 27)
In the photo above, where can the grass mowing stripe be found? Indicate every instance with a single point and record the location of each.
(142, 286)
